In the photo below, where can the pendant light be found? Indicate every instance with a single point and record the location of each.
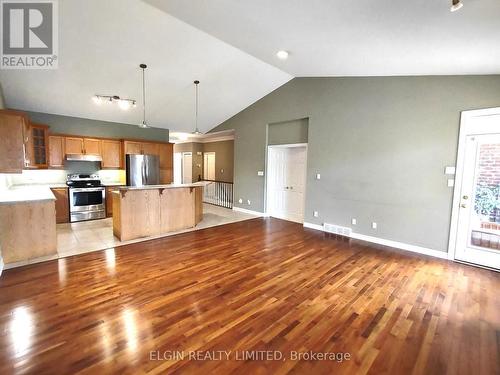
(456, 5)
(196, 130)
(143, 124)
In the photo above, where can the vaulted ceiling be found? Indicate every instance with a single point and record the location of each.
(230, 46)
(354, 37)
(102, 43)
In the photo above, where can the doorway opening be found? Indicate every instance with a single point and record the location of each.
(209, 166)
(475, 226)
(286, 181)
(187, 167)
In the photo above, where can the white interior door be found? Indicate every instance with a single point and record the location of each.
(187, 167)
(286, 182)
(178, 168)
(478, 227)
(209, 166)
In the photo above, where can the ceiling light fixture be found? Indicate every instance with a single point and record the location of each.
(456, 5)
(283, 55)
(196, 131)
(109, 99)
(143, 124)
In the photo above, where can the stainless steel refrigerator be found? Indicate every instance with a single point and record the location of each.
(143, 170)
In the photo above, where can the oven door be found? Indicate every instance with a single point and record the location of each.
(87, 199)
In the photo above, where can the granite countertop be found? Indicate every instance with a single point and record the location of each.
(27, 194)
(169, 186)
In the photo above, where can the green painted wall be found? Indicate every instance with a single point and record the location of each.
(380, 144)
(288, 132)
(224, 158)
(94, 128)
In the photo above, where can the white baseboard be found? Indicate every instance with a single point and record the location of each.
(244, 210)
(390, 243)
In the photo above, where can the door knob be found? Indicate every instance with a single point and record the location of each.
(465, 197)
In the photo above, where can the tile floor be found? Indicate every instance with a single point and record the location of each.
(88, 236)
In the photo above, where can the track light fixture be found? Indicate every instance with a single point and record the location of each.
(123, 103)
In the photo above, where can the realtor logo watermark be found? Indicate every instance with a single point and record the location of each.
(29, 34)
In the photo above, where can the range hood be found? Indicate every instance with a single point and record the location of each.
(81, 157)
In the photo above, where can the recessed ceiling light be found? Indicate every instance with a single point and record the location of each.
(456, 5)
(283, 55)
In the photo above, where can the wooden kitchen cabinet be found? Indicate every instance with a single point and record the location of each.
(36, 145)
(166, 163)
(62, 204)
(111, 154)
(74, 145)
(109, 200)
(150, 148)
(13, 125)
(56, 151)
(131, 147)
(92, 146)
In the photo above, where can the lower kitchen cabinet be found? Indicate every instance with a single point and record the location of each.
(62, 204)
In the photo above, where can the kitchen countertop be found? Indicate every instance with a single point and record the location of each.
(27, 194)
(169, 186)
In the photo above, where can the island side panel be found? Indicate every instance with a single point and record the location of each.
(177, 209)
(27, 230)
(117, 214)
(140, 213)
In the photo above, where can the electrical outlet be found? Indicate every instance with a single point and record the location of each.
(260, 173)
(451, 182)
(222, 171)
(374, 225)
(354, 221)
(248, 202)
(240, 200)
(318, 176)
(315, 214)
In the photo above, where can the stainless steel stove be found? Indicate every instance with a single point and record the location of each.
(87, 197)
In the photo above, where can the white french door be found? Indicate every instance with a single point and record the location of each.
(286, 176)
(477, 195)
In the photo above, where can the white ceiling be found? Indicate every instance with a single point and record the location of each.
(355, 37)
(102, 43)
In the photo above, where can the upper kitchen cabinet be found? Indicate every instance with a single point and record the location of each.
(131, 147)
(56, 151)
(13, 126)
(74, 145)
(166, 163)
(111, 154)
(150, 148)
(166, 155)
(92, 146)
(36, 143)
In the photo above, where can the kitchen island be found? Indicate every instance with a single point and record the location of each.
(153, 210)
(27, 225)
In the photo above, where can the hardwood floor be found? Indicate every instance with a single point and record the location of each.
(257, 285)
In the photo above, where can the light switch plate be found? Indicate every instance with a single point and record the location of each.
(318, 176)
(449, 170)
(260, 173)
